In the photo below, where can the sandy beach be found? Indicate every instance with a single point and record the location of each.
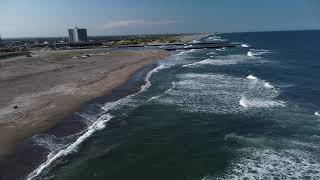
(38, 92)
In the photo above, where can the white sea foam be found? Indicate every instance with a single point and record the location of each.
(272, 164)
(317, 113)
(215, 38)
(223, 60)
(251, 77)
(184, 53)
(211, 62)
(220, 49)
(153, 98)
(257, 52)
(268, 85)
(216, 93)
(194, 50)
(260, 103)
(147, 79)
(211, 53)
(128, 100)
(50, 142)
(244, 45)
(195, 41)
(250, 54)
(181, 53)
(88, 119)
(98, 125)
(167, 91)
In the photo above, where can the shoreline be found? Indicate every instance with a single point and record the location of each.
(38, 154)
(41, 110)
(66, 122)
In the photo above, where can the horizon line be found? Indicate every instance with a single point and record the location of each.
(181, 33)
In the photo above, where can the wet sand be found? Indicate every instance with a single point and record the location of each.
(52, 86)
(29, 154)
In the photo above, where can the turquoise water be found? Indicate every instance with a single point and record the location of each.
(248, 112)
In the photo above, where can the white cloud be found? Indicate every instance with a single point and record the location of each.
(137, 22)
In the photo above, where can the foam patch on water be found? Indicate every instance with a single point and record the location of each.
(215, 38)
(220, 49)
(260, 103)
(224, 60)
(188, 46)
(244, 45)
(194, 50)
(171, 88)
(272, 164)
(211, 53)
(268, 85)
(167, 91)
(181, 57)
(250, 54)
(251, 77)
(210, 61)
(257, 52)
(195, 41)
(317, 114)
(49, 142)
(216, 93)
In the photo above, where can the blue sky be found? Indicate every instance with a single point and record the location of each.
(35, 18)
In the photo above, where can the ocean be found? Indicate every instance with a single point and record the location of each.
(249, 112)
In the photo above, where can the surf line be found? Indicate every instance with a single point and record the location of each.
(96, 126)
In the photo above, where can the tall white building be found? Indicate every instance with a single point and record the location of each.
(77, 35)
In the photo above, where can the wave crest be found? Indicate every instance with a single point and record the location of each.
(244, 45)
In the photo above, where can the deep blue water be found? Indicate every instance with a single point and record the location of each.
(244, 112)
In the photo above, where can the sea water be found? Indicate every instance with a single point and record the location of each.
(249, 112)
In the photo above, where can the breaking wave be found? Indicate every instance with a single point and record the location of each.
(268, 85)
(211, 62)
(244, 45)
(223, 60)
(257, 52)
(58, 150)
(147, 79)
(98, 125)
(250, 54)
(251, 77)
(272, 164)
(216, 93)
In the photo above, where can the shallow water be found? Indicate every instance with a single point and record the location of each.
(245, 112)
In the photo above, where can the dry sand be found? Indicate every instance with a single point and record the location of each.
(50, 87)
